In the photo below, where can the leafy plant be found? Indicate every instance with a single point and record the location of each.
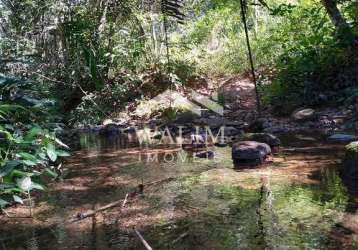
(27, 150)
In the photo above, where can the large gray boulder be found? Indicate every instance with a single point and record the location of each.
(186, 118)
(304, 114)
(350, 163)
(249, 152)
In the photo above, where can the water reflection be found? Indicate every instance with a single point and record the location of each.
(298, 201)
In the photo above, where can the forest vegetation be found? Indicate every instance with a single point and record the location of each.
(74, 63)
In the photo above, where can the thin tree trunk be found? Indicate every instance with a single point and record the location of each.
(335, 15)
(255, 16)
(341, 25)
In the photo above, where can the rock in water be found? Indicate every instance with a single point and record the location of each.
(109, 130)
(230, 131)
(267, 138)
(342, 138)
(249, 152)
(350, 163)
(303, 114)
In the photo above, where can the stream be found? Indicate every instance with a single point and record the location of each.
(296, 200)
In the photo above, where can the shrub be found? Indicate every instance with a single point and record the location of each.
(26, 148)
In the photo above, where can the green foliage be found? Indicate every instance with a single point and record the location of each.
(184, 71)
(312, 64)
(83, 45)
(169, 113)
(110, 99)
(26, 148)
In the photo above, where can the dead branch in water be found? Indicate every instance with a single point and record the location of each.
(81, 216)
(122, 202)
(125, 200)
(145, 243)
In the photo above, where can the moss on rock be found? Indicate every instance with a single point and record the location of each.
(352, 148)
(350, 169)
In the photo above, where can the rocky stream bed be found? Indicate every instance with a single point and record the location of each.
(295, 200)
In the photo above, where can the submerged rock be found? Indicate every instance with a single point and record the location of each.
(205, 154)
(221, 144)
(350, 163)
(303, 114)
(342, 138)
(249, 152)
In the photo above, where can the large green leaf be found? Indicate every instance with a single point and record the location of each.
(59, 142)
(3, 203)
(7, 134)
(4, 186)
(19, 173)
(9, 126)
(9, 167)
(51, 152)
(25, 183)
(29, 162)
(12, 190)
(29, 159)
(18, 199)
(33, 133)
(62, 153)
(50, 173)
(42, 155)
(10, 107)
(27, 156)
(38, 186)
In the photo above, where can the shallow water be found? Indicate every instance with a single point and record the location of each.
(295, 201)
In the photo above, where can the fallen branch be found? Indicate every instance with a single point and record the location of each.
(122, 202)
(145, 243)
(125, 200)
(81, 216)
(14, 217)
(182, 236)
(6, 213)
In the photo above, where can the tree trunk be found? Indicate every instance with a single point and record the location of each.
(344, 31)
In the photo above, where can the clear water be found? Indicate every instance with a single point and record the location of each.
(295, 201)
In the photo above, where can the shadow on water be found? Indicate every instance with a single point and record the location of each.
(296, 201)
